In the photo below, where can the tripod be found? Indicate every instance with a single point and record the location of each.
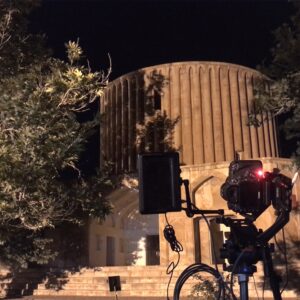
(243, 251)
(244, 271)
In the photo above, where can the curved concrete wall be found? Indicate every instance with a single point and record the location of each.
(212, 100)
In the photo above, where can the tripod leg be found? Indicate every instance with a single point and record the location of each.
(269, 272)
(243, 282)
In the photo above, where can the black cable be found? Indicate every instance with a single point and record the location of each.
(214, 253)
(285, 261)
(232, 273)
(195, 268)
(264, 281)
(169, 234)
(284, 253)
(170, 271)
(212, 241)
(211, 236)
(256, 290)
(278, 245)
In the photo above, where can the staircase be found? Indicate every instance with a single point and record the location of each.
(136, 281)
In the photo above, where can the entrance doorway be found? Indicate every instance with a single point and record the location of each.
(152, 250)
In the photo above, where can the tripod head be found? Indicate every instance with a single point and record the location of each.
(242, 249)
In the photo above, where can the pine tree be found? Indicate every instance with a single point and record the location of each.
(41, 139)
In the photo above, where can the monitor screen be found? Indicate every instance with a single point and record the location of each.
(159, 183)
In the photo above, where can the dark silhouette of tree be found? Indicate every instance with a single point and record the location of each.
(156, 132)
(281, 94)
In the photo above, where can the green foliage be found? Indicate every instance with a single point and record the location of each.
(281, 94)
(41, 139)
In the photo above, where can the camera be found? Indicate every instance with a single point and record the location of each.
(249, 190)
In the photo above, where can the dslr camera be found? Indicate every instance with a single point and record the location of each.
(249, 190)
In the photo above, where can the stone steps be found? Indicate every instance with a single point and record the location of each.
(135, 281)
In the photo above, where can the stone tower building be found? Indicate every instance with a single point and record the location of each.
(211, 101)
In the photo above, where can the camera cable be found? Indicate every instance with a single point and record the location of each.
(169, 234)
(200, 267)
(255, 287)
(196, 268)
(211, 236)
(224, 284)
(283, 250)
(235, 265)
(212, 241)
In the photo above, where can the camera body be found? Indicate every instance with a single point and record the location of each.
(249, 191)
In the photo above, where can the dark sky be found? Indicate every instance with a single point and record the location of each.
(143, 33)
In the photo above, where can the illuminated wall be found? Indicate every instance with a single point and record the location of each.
(211, 99)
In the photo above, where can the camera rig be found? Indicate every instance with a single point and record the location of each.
(248, 191)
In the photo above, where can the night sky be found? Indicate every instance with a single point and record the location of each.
(141, 33)
(144, 33)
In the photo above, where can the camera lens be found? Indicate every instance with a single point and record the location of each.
(229, 192)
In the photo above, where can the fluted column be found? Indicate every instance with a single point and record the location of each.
(186, 115)
(118, 120)
(242, 86)
(253, 130)
(131, 125)
(227, 118)
(197, 127)
(235, 110)
(273, 141)
(166, 104)
(208, 134)
(217, 114)
(267, 140)
(125, 125)
(176, 107)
